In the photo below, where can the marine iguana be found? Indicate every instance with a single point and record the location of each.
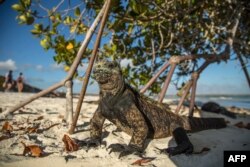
(139, 116)
(216, 108)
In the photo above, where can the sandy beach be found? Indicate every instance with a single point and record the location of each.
(45, 116)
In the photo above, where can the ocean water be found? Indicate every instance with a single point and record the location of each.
(242, 101)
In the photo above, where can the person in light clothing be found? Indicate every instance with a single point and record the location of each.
(20, 81)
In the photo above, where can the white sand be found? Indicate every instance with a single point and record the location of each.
(230, 138)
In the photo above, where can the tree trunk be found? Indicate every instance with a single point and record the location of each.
(244, 69)
(69, 103)
(183, 97)
(166, 84)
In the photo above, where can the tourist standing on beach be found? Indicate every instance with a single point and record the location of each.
(20, 80)
(8, 81)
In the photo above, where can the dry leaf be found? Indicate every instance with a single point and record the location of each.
(34, 150)
(240, 125)
(142, 161)
(31, 130)
(7, 127)
(69, 144)
(38, 118)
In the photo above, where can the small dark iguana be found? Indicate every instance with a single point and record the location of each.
(216, 108)
(140, 116)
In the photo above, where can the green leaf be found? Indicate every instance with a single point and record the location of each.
(23, 19)
(77, 12)
(45, 43)
(55, 24)
(35, 32)
(58, 17)
(137, 7)
(67, 20)
(114, 48)
(38, 27)
(27, 3)
(130, 28)
(73, 29)
(133, 5)
(17, 7)
(53, 31)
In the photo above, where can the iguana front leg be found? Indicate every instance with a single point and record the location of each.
(96, 124)
(139, 126)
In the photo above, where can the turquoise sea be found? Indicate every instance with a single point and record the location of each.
(242, 101)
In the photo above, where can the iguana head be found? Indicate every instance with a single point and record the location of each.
(109, 76)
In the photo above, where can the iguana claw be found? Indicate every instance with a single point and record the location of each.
(184, 148)
(187, 149)
(116, 148)
(124, 150)
(90, 143)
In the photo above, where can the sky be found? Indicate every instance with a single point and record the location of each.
(21, 52)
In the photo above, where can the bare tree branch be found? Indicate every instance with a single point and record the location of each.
(105, 9)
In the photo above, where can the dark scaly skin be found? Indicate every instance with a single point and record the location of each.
(134, 113)
(216, 108)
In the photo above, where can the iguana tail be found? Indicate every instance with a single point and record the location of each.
(198, 124)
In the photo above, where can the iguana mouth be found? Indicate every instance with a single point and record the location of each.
(102, 76)
(103, 81)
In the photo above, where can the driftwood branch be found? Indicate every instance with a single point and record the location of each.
(90, 66)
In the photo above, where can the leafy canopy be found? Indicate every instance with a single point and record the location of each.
(145, 33)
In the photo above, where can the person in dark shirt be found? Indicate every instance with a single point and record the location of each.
(9, 81)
